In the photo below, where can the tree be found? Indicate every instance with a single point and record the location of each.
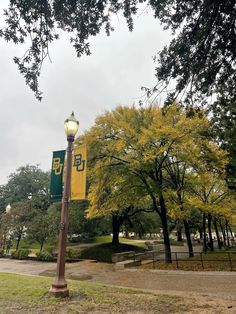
(27, 182)
(5, 229)
(27, 192)
(143, 223)
(224, 130)
(3, 203)
(201, 55)
(40, 228)
(182, 168)
(110, 196)
(129, 148)
(83, 227)
(20, 214)
(211, 197)
(177, 177)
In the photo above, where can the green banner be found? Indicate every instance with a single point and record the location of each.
(57, 175)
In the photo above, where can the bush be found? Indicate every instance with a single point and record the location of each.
(45, 255)
(97, 253)
(1, 252)
(20, 254)
(81, 238)
(103, 252)
(72, 254)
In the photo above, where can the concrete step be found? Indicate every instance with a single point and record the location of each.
(125, 264)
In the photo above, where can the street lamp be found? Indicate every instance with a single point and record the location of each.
(59, 287)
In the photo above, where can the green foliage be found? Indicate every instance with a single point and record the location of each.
(27, 192)
(82, 229)
(3, 201)
(20, 254)
(72, 254)
(143, 223)
(19, 216)
(223, 127)
(45, 255)
(1, 253)
(28, 182)
(40, 227)
(201, 54)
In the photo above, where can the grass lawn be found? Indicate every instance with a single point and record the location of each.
(29, 294)
(108, 239)
(211, 261)
(33, 246)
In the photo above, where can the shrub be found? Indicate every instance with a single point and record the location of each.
(72, 254)
(1, 252)
(20, 254)
(45, 255)
(103, 252)
(98, 253)
(50, 249)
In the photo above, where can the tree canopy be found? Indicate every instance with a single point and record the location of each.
(27, 182)
(200, 57)
(224, 129)
(136, 155)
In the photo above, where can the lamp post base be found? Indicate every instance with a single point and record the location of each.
(59, 291)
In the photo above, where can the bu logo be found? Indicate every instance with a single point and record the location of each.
(79, 162)
(57, 166)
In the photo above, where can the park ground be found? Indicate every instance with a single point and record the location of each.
(99, 288)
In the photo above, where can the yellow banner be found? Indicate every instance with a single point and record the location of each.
(78, 177)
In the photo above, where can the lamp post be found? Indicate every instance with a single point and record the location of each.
(59, 287)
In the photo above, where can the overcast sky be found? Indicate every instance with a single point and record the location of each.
(112, 75)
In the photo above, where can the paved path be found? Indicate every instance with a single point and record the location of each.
(213, 284)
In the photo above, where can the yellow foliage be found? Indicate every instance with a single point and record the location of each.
(128, 149)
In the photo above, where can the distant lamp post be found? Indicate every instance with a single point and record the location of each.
(59, 287)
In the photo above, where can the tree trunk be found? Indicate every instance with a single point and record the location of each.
(217, 234)
(188, 238)
(204, 233)
(18, 241)
(1, 238)
(232, 237)
(163, 217)
(140, 235)
(223, 233)
(200, 233)
(179, 232)
(116, 224)
(41, 245)
(227, 232)
(211, 246)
